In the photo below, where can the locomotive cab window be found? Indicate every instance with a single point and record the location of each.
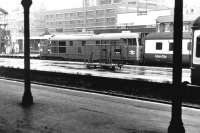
(132, 42)
(158, 46)
(198, 47)
(71, 43)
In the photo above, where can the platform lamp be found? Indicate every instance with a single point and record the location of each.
(27, 98)
(176, 124)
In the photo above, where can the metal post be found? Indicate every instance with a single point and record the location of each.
(27, 98)
(176, 124)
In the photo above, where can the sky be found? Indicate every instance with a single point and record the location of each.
(9, 5)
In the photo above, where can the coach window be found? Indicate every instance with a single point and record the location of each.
(97, 42)
(171, 46)
(158, 46)
(132, 41)
(71, 43)
(198, 47)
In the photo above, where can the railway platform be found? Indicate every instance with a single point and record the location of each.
(57, 110)
(20, 55)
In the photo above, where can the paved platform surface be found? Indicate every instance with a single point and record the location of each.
(64, 111)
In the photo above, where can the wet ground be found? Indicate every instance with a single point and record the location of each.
(65, 111)
(147, 73)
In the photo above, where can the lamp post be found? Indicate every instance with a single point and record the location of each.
(27, 98)
(176, 124)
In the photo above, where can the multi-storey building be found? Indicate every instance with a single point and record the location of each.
(79, 19)
(103, 16)
(129, 2)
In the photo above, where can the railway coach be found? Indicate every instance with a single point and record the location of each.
(107, 47)
(195, 63)
(159, 48)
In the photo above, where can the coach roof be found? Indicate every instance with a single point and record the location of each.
(166, 35)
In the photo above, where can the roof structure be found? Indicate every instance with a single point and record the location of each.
(196, 23)
(3, 11)
(170, 18)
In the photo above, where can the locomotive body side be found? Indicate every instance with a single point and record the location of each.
(115, 47)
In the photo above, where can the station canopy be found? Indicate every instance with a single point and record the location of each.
(2, 11)
(196, 23)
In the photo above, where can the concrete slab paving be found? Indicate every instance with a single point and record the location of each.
(65, 111)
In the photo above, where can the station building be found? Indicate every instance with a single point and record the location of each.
(166, 23)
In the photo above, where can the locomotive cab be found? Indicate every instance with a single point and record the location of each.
(195, 64)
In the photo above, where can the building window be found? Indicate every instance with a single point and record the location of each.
(186, 27)
(80, 14)
(167, 27)
(189, 46)
(171, 45)
(159, 46)
(91, 22)
(91, 13)
(162, 27)
(72, 15)
(67, 15)
(171, 27)
(59, 16)
(99, 13)
(100, 21)
(132, 3)
(110, 11)
(111, 21)
(117, 1)
(103, 2)
(59, 29)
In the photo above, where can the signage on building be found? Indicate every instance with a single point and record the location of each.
(134, 19)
